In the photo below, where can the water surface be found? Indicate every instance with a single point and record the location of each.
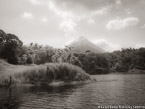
(115, 90)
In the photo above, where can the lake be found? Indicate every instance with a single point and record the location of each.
(109, 90)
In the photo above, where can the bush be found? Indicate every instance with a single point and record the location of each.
(29, 60)
(54, 72)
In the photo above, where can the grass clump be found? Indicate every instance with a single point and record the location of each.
(35, 74)
(55, 72)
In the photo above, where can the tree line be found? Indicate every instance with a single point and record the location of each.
(14, 52)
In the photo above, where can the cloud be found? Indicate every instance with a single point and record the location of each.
(44, 19)
(69, 42)
(101, 11)
(39, 2)
(84, 4)
(118, 24)
(68, 26)
(128, 11)
(91, 21)
(143, 26)
(118, 3)
(71, 12)
(78, 7)
(72, 15)
(27, 15)
(98, 7)
(68, 23)
(107, 46)
(139, 45)
(35, 2)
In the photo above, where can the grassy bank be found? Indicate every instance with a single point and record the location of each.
(42, 74)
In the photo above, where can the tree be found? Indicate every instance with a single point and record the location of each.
(12, 47)
(2, 41)
(75, 61)
(29, 60)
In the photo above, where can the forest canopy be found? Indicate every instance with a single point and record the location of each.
(14, 52)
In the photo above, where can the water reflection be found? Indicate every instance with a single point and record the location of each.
(10, 102)
(108, 90)
(23, 95)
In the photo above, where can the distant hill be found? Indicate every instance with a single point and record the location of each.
(82, 44)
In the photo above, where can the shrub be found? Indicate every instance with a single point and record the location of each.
(54, 72)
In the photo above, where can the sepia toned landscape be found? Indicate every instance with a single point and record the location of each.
(72, 54)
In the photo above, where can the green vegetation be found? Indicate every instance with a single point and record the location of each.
(28, 63)
(93, 63)
(55, 72)
(7, 70)
(126, 60)
(43, 74)
(123, 60)
(10, 47)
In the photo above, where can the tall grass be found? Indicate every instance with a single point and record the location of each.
(54, 72)
(46, 74)
(7, 70)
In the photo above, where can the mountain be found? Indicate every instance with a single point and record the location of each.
(81, 45)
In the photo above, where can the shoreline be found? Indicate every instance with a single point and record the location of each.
(52, 84)
(133, 71)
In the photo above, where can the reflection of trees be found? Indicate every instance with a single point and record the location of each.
(48, 96)
(52, 89)
(10, 102)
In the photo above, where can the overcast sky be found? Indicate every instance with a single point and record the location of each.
(111, 24)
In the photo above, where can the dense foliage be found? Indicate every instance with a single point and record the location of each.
(126, 59)
(55, 72)
(12, 50)
(10, 47)
(41, 74)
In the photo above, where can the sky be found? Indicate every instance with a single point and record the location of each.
(110, 24)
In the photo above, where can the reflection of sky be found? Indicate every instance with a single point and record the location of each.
(112, 23)
(108, 90)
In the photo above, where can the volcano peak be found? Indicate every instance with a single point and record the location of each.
(82, 44)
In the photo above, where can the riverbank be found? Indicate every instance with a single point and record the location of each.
(133, 71)
(49, 74)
